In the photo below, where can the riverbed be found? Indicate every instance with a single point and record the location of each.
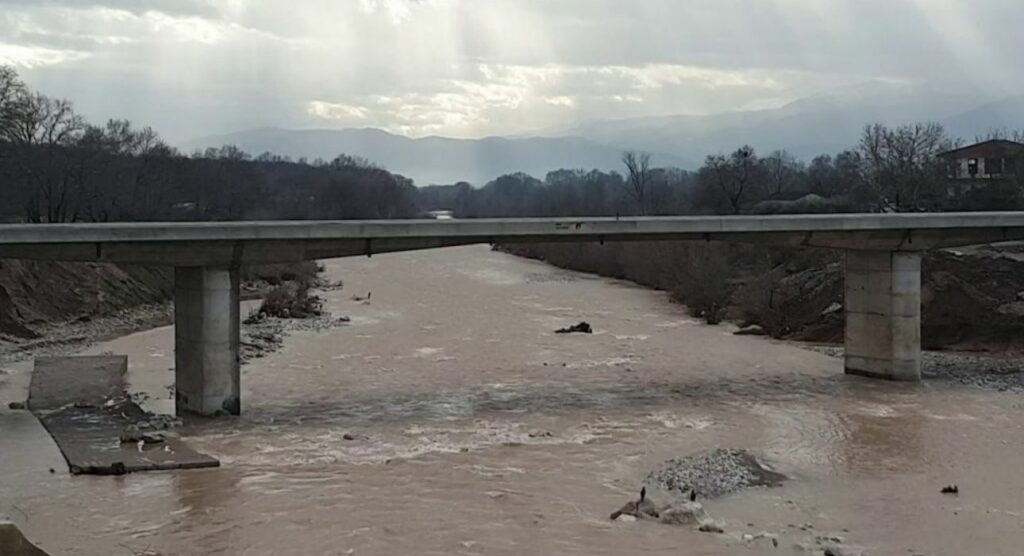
(448, 418)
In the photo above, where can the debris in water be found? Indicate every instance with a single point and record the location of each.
(582, 327)
(350, 436)
(951, 489)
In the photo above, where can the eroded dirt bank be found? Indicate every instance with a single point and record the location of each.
(448, 418)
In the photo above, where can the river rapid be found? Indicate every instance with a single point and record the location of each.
(448, 418)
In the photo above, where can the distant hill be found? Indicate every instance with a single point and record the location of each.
(1006, 114)
(807, 127)
(434, 160)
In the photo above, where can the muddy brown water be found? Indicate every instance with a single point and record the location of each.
(447, 381)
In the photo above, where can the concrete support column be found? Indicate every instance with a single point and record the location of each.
(883, 314)
(206, 337)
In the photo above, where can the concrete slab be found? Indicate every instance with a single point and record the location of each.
(89, 438)
(82, 403)
(86, 379)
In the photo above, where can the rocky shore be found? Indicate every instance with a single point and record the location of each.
(262, 335)
(258, 338)
(71, 337)
(1003, 372)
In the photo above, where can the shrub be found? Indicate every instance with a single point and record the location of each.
(291, 300)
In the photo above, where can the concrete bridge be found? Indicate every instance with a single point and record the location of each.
(883, 268)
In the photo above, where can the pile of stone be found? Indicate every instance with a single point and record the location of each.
(262, 335)
(259, 339)
(718, 472)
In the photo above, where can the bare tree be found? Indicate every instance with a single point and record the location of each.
(699, 274)
(12, 91)
(733, 176)
(782, 172)
(639, 167)
(901, 166)
(1001, 133)
(42, 132)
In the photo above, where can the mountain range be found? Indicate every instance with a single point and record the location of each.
(807, 127)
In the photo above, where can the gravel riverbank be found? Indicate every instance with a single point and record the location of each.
(265, 335)
(258, 338)
(1002, 372)
(71, 337)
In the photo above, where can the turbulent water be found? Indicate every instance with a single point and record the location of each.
(448, 418)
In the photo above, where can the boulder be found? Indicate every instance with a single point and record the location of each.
(350, 436)
(642, 508)
(13, 543)
(763, 539)
(752, 330)
(687, 513)
(839, 550)
(152, 438)
(131, 434)
(710, 527)
(582, 327)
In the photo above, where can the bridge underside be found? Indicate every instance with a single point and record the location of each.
(882, 292)
(882, 305)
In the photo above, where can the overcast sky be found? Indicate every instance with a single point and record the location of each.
(469, 68)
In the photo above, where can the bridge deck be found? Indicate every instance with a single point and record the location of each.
(201, 243)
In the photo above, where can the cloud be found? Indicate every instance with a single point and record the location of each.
(399, 11)
(28, 57)
(497, 98)
(467, 68)
(562, 100)
(344, 113)
(198, 8)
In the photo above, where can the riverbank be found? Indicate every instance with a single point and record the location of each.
(1000, 372)
(53, 308)
(972, 298)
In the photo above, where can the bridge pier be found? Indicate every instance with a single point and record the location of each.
(883, 314)
(206, 338)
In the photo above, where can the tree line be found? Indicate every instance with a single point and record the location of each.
(891, 169)
(57, 167)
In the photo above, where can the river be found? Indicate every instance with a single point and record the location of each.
(476, 430)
